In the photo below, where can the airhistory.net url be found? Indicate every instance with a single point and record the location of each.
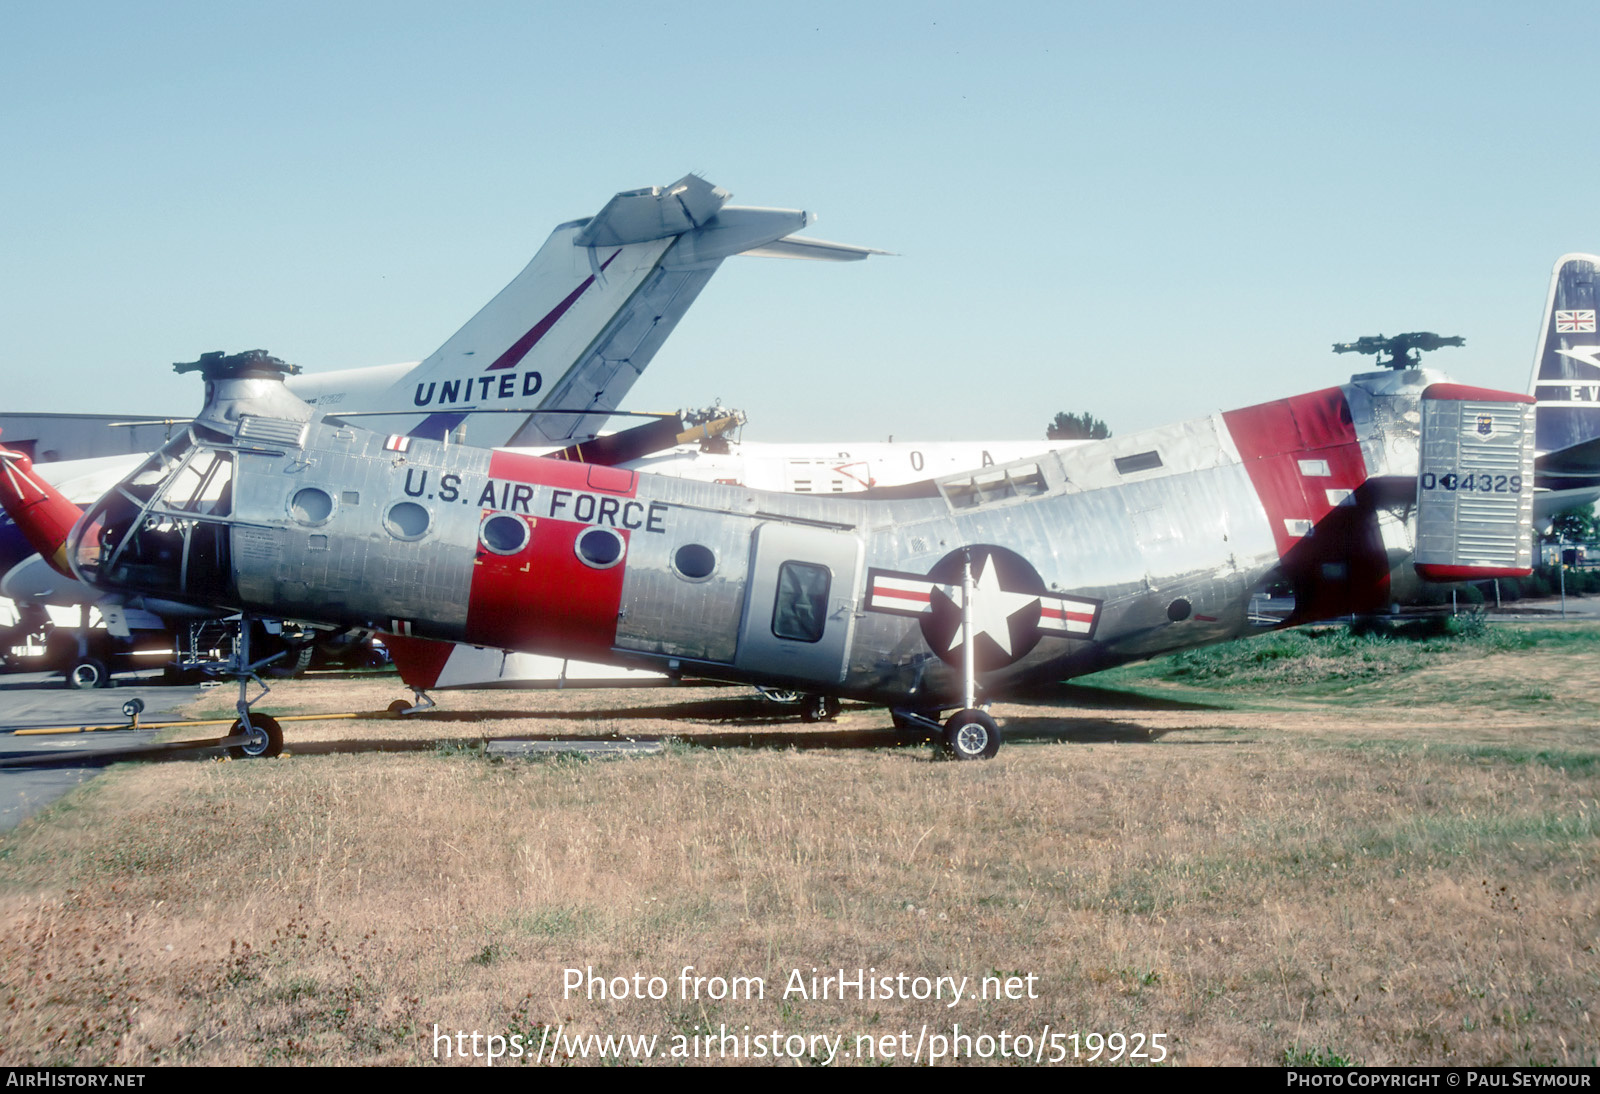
(556, 1046)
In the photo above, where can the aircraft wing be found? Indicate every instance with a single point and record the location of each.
(1578, 461)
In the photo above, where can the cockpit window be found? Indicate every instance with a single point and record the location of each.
(144, 482)
(203, 484)
(164, 528)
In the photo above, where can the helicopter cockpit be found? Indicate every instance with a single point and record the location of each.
(164, 531)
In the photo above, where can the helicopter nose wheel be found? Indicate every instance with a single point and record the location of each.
(971, 735)
(264, 738)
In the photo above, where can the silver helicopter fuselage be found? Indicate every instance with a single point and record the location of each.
(1040, 569)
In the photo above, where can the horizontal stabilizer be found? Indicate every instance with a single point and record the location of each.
(734, 230)
(1573, 462)
(656, 212)
(817, 250)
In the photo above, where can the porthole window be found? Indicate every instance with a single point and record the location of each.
(694, 561)
(406, 520)
(311, 505)
(601, 548)
(503, 534)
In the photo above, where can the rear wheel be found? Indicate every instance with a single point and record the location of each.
(971, 735)
(266, 738)
(88, 672)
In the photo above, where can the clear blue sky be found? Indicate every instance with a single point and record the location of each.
(1148, 211)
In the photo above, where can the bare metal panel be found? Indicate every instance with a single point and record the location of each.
(761, 650)
(254, 427)
(351, 567)
(673, 615)
(1475, 484)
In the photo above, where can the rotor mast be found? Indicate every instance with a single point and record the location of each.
(1404, 350)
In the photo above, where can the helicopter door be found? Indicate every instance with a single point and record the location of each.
(800, 603)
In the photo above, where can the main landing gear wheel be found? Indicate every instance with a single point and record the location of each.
(819, 708)
(88, 672)
(971, 735)
(399, 707)
(266, 738)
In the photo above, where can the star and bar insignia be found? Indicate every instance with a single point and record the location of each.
(1011, 609)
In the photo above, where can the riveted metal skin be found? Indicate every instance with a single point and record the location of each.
(1078, 559)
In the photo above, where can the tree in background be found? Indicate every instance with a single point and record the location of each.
(1077, 427)
(1574, 526)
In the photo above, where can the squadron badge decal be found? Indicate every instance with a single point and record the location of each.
(1011, 608)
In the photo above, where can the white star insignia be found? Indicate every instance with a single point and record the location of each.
(992, 608)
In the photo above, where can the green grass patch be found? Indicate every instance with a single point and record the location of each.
(1573, 761)
(1323, 660)
(1314, 1056)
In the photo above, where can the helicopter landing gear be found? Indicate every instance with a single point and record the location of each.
(252, 736)
(971, 735)
(420, 702)
(263, 738)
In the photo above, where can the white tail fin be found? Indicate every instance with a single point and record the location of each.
(576, 328)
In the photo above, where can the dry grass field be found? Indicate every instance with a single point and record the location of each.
(1370, 856)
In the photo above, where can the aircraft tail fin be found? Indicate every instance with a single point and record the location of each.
(39, 510)
(1566, 385)
(1566, 368)
(579, 324)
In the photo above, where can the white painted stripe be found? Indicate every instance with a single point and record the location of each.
(883, 583)
(901, 603)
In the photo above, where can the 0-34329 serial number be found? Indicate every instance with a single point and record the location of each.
(1482, 483)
